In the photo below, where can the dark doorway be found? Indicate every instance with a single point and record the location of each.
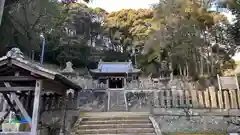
(116, 83)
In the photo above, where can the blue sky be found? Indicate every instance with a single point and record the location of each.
(115, 5)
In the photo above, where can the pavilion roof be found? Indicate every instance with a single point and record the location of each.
(38, 70)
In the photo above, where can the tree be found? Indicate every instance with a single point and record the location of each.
(129, 27)
(181, 39)
(2, 3)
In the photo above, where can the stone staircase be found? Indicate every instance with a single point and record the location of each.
(114, 125)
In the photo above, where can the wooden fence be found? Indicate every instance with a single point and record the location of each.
(49, 102)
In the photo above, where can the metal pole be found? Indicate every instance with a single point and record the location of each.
(135, 60)
(2, 3)
(43, 49)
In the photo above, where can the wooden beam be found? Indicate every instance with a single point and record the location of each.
(36, 70)
(22, 109)
(15, 89)
(16, 78)
(15, 133)
(3, 62)
(37, 94)
(12, 107)
(5, 68)
(51, 86)
(3, 116)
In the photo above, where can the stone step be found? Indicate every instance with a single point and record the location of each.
(114, 114)
(109, 126)
(114, 118)
(115, 122)
(126, 134)
(116, 131)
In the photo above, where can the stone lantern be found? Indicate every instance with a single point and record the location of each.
(165, 73)
(68, 71)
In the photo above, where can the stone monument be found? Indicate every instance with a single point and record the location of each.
(15, 53)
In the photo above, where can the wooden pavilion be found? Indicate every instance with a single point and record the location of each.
(20, 77)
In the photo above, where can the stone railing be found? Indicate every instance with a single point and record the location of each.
(209, 98)
(88, 83)
(136, 100)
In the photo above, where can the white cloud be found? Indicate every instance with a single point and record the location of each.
(115, 5)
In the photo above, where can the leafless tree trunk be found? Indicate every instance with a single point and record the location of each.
(2, 3)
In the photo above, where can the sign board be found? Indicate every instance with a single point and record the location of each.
(233, 133)
(228, 82)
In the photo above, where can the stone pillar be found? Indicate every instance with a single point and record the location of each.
(220, 99)
(175, 98)
(207, 101)
(168, 98)
(226, 100)
(1, 102)
(195, 102)
(233, 99)
(181, 95)
(156, 99)
(162, 98)
(213, 97)
(238, 97)
(107, 82)
(187, 97)
(124, 82)
(200, 98)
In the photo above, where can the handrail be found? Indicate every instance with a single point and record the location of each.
(155, 126)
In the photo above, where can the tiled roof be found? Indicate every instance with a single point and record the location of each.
(115, 67)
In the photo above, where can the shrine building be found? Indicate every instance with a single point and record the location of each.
(115, 74)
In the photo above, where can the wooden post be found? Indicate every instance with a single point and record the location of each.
(63, 114)
(37, 93)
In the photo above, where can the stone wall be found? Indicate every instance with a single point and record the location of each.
(53, 119)
(196, 124)
(197, 121)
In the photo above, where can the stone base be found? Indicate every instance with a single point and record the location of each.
(196, 124)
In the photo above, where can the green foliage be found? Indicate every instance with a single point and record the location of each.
(180, 32)
(129, 26)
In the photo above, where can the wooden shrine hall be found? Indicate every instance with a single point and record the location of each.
(23, 84)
